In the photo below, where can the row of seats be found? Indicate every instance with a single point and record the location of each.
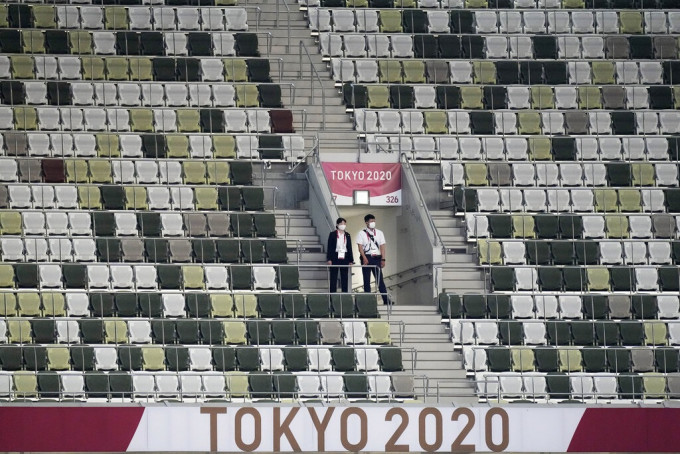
(393, 121)
(203, 358)
(123, 18)
(135, 68)
(151, 146)
(566, 227)
(134, 94)
(177, 303)
(143, 386)
(590, 279)
(123, 171)
(608, 359)
(165, 331)
(470, 4)
(494, 97)
(463, 71)
(564, 252)
(608, 333)
(592, 307)
(111, 197)
(125, 224)
(600, 148)
(569, 174)
(136, 250)
(82, 42)
(146, 120)
(150, 277)
(499, 21)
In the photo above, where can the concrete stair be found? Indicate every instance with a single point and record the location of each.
(436, 358)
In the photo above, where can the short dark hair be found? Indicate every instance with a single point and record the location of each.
(339, 220)
(368, 217)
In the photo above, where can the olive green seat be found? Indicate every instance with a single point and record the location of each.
(89, 198)
(540, 149)
(22, 66)
(234, 332)
(542, 97)
(606, 200)
(117, 68)
(489, 252)
(378, 96)
(141, 120)
(484, 72)
(598, 279)
(603, 72)
(589, 97)
(390, 21)
(236, 69)
(77, 171)
(206, 198)
(193, 172)
(529, 122)
(435, 122)
(221, 305)
(141, 68)
(523, 227)
(81, 42)
(33, 41)
(108, 145)
(177, 146)
(10, 223)
(630, 200)
(390, 71)
(25, 118)
(224, 146)
(631, 22)
(471, 97)
(115, 18)
(43, 16)
(135, 198)
(93, 68)
(616, 226)
(188, 120)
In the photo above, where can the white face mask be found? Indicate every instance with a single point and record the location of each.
(341, 226)
(371, 225)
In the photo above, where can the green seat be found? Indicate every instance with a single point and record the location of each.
(218, 172)
(510, 332)
(606, 200)
(100, 172)
(570, 360)
(236, 70)
(630, 200)
(177, 145)
(242, 172)
(234, 332)
(10, 223)
(414, 71)
(188, 120)
(269, 305)
(343, 359)
(603, 72)
(262, 385)
(294, 305)
(594, 359)
(135, 198)
(450, 305)
(33, 41)
(655, 333)
(58, 358)
(193, 172)
(141, 120)
(25, 118)
(617, 226)
(93, 68)
(342, 305)
(522, 359)
(76, 171)
(499, 359)
(48, 385)
(29, 304)
(476, 4)
(4, 23)
(390, 71)
(206, 198)
(589, 97)
(595, 307)
(245, 305)
(489, 252)
(529, 123)
(631, 22)
(81, 43)
(319, 305)
(253, 199)
(153, 358)
(237, 384)
(367, 305)
(115, 18)
(644, 307)
(115, 332)
(542, 97)
(622, 278)
(177, 358)
(484, 72)
(608, 333)
(523, 227)
(141, 68)
(22, 66)
(498, 306)
(92, 331)
(54, 304)
(474, 306)
(289, 277)
(43, 16)
(540, 149)
(643, 174)
(229, 251)
(307, 332)
(248, 358)
(222, 305)
(8, 304)
(573, 4)
(117, 68)
(224, 358)
(654, 386)
(503, 278)
(25, 384)
(390, 359)
(378, 96)
(475, 174)
(265, 226)
(378, 333)
(108, 146)
(283, 332)
(295, 358)
(390, 21)
(224, 146)
(598, 279)
(247, 95)
(471, 97)
(193, 277)
(19, 331)
(547, 359)
(435, 122)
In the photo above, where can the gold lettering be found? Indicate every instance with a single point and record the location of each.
(363, 429)
(257, 428)
(284, 429)
(321, 426)
(213, 412)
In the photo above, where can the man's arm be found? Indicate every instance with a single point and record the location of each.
(360, 247)
(382, 254)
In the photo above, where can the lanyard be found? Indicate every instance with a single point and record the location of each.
(344, 238)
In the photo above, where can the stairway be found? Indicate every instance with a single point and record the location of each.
(304, 247)
(436, 359)
(460, 272)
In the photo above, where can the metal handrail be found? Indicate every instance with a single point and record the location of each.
(278, 14)
(313, 74)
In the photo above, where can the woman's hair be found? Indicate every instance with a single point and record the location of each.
(339, 220)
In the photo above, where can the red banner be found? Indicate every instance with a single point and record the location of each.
(382, 181)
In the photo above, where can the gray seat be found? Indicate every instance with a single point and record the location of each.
(180, 250)
(617, 47)
(663, 225)
(500, 174)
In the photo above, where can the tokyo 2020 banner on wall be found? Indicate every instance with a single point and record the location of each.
(382, 181)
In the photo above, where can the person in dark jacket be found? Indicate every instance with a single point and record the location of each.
(339, 252)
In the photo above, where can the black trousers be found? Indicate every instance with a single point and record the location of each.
(344, 276)
(374, 267)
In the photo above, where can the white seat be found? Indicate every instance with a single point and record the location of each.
(200, 358)
(146, 171)
(656, 148)
(646, 278)
(666, 174)
(510, 21)
(36, 249)
(547, 174)
(145, 276)
(354, 332)
(343, 20)
(264, 277)
(69, 67)
(187, 19)
(91, 17)
(57, 223)
(587, 149)
(143, 384)
(518, 97)
(367, 359)
(8, 170)
(600, 122)
(61, 249)
(659, 253)
(213, 19)
(235, 120)
(582, 22)
(461, 71)
(123, 171)
(570, 306)
(611, 253)
(474, 359)
(523, 174)
(332, 385)
(669, 306)
(485, 22)
(94, 119)
(647, 123)
(175, 43)
(84, 250)
(487, 385)
(216, 277)
(224, 95)
(535, 200)
(673, 21)
(488, 200)
(627, 72)
(516, 148)
(182, 198)
(593, 227)
(80, 223)
(46, 67)
(592, 47)
(595, 174)
(425, 97)
(470, 148)
(522, 306)
(140, 17)
(496, 46)
(514, 253)
(423, 147)
(535, 385)
(510, 385)
(67, 331)
(98, 276)
(401, 45)
(62, 144)
(121, 276)
(190, 385)
(477, 225)
(579, 72)
(493, 147)
(353, 45)
(367, 21)
(582, 386)
(200, 95)
(271, 358)
(607, 21)
(43, 196)
(378, 45)
(12, 249)
(605, 387)
(67, 16)
(104, 43)
(486, 333)
(546, 306)
(171, 223)
(566, 97)
(176, 95)
(651, 72)
(640, 227)
(163, 18)
(85, 145)
(152, 95)
(319, 359)
(506, 122)
(553, 122)
(165, 120)
(105, 358)
(462, 331)
(635, 253)
(379, 384)
(200, 146)
(223, 44)
(130, 94)
(169, 172)
(669, 122)
(50, 276)
(19, 196)
(36, 92)
(448, 147)
(453, 174)
(246, 147)
(173, 305)
(521, 47)
(653, 200)
(390, 121)
(258, 120)
(534, 22)
(655, 22)
(559, 22)
(159, 197)
(212, 70)
(213, 384)
(526, 279)
(437, 21)
(365, 120)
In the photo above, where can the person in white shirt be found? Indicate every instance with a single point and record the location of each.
(371, 242)
(339, 252)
